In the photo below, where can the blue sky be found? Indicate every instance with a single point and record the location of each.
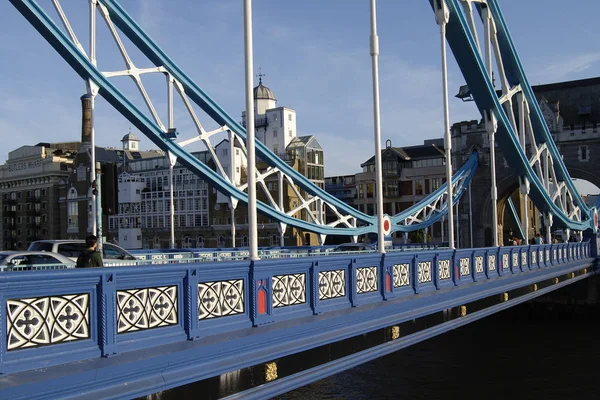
(315, 55)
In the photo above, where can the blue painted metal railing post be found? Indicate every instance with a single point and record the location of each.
(315, 287)
(3, 327)
(190, 287)
(261, 294)
(353, 282)
(107, 311)
(387, 279)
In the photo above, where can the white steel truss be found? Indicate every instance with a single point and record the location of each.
(517, 108)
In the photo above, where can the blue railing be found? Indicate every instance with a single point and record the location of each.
(54, 317)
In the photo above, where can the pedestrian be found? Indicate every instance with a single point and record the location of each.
(90, 257)
(538, 239)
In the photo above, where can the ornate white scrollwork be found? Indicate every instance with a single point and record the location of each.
(289, 290)
(366, 280)
(220, 298)
(332, 284)
(41, 321)
(146, 308)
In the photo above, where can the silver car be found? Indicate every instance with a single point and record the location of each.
(111, 253)
(33, 260)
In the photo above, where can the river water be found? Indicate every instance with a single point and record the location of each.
(532, 351)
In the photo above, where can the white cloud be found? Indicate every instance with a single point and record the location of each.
(568, 67)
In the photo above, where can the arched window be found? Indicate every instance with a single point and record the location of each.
(200, 242)
(72, 211)
(274, 240)
(244, 242)
(156, 242)
(186, 242)
(221, 241)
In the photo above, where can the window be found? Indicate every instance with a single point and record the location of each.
(290, 133)
(289, 117)
(222, 241)
(275, 240)
(418, 187)
(244, 242)
(435, 184)
(224, 152)
(274, 133)
(72, 211)
(584, 154)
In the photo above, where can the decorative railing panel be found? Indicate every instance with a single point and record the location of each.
(220, 299)
(332, 284)
(42, 321)
(424, 271)
(366, 280)
(147, 308)
(465, 266)
(491, 262)
(444, 269)
(479, 264)
(289, 290)
(401, 275)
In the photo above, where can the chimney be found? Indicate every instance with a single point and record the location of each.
(86, 119)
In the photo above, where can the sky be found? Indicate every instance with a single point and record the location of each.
(315, 57)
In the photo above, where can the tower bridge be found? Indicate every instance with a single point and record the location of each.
(125, 332)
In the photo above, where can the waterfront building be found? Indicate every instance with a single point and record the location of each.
(204, 217)
(144, 208)
(409, 174)
(32, 182)
(276, 128)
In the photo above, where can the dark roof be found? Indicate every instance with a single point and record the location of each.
(263, 92)
(430, 150)
(107, 155)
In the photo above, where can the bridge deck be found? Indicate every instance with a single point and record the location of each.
(418, 316)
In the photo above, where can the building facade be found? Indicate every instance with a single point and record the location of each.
(409, 175)
(144, 210)
(32, 183)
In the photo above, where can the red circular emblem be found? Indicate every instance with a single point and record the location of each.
(386, 224)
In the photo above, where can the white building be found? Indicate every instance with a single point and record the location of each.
(275, 126)
(144, 217)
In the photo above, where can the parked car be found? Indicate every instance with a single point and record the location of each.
(28, 260)
(351, 247)
(72, 249)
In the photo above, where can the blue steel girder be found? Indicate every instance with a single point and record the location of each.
(516, 218)
(464, 44)
(76, 57)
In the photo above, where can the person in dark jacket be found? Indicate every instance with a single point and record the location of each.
(90, 257)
